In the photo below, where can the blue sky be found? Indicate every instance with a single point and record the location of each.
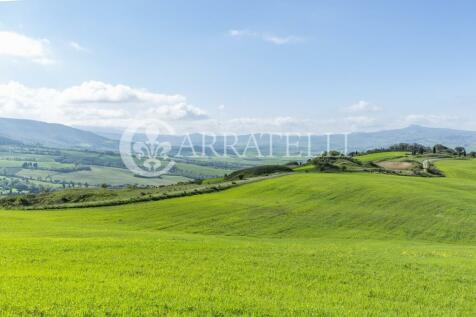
(241, 65)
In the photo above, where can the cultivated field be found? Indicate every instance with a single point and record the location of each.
(307, 244)
(396, 165)
(33, 169)
(381, 156)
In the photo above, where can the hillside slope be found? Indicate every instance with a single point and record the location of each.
(57, 135)
(413, 134)
(313, 205)
(357, 141)
(298, 245)
(51, 135)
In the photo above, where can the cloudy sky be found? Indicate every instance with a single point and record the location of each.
(240, 66)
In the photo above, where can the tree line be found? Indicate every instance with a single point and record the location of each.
(419, 149)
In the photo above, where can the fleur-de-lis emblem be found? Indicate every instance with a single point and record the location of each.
(149, 152)
(147, 158)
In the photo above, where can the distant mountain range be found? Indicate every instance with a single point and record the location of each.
(15, 131)
(359, 141)
(414, 134)
(19, 131)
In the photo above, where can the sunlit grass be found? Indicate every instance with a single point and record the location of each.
(303, 244)
(381, 156)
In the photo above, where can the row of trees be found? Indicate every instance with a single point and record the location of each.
(9, 186)
(419, 149)
(75, 168)
(30, 165)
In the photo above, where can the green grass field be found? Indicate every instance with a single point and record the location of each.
(306, 244)
(101, 174)
(381, 156)
(106, 168)
(304, 168)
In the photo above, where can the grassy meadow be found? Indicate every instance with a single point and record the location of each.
(309, 244)
(381, 156)
(76, 168)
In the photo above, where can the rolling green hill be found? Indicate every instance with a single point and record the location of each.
(381, 156)
(317, 205)
(360, 141)
(49, 134)
(31, 132)
(258, 171)
(32, 169)
(302, 244)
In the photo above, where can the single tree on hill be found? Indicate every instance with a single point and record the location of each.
(461, 151)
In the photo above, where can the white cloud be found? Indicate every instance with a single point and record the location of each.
(93, 103)
(279, 124)
(76, 46)
(100, 92)
(361, 107)
(360, 121)
(431, 119)
(245, 125)
(281, 40)
(270, 38)
(270, 121)
(16, 45)
(239, 33)
(180, 111)
(284, 124)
